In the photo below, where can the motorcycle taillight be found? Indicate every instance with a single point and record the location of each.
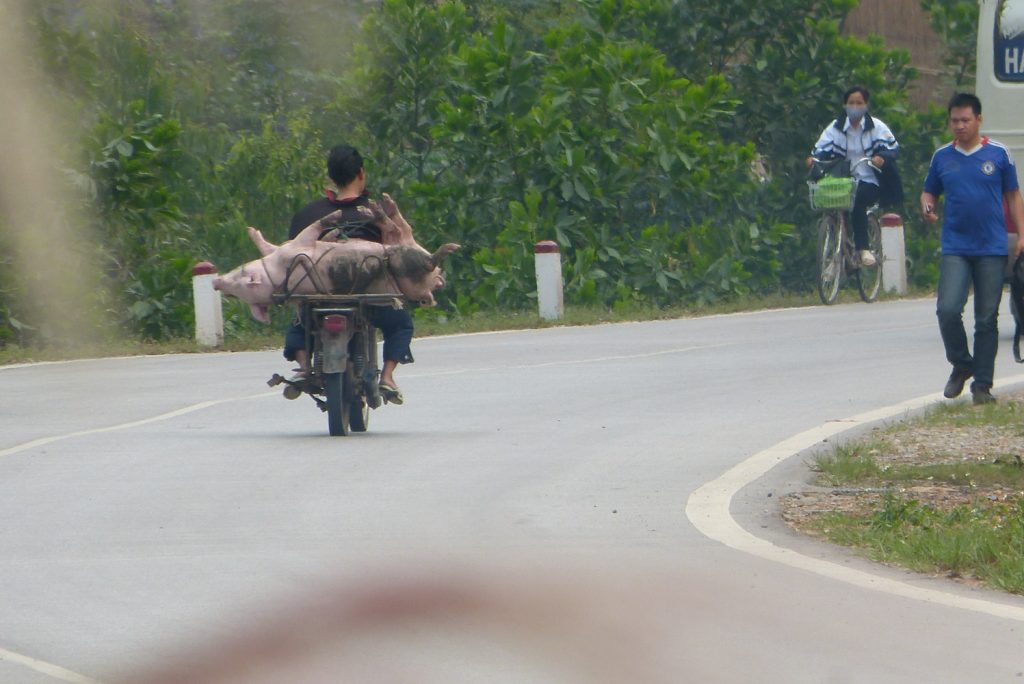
(334, 323)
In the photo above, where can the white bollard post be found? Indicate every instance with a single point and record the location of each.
(548, 262)
(209, 315)
(894, 263)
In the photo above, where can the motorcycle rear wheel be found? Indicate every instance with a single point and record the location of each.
(338, 394)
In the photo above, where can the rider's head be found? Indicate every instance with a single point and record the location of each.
(344, 164)
(857, 90)
(855, 101)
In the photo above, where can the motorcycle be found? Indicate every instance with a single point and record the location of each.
(344, 367)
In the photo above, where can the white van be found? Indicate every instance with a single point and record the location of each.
(1000, 83)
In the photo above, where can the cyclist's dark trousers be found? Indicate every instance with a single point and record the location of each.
(867, 195)
(395, 327)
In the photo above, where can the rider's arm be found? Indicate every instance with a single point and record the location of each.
(884, 145)
(829, 145)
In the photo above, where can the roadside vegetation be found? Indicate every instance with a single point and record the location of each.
(659, 142)
(939, 494)
(429, 323)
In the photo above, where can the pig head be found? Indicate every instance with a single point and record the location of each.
(317, 261)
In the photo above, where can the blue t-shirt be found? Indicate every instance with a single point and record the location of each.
(974, 185)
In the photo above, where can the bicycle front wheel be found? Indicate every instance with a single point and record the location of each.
(830, 256)
(869, 278)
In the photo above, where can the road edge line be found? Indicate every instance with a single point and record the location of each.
(43, 667)
(708, 509)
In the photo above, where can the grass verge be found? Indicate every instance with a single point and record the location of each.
(941, 494)
(429, 322)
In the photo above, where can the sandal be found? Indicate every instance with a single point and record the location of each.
(390, 393)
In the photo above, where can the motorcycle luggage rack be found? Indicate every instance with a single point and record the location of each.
(394, 301)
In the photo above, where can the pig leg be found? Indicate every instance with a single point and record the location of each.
(391, 210)
(265, 247)
(391, 233)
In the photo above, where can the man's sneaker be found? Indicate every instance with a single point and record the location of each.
(980, 394)
(867, 258)
(955, 384)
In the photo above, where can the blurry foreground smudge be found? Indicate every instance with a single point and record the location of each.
(45, 250)
(517, 623)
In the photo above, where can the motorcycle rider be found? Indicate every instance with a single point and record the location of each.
(347, 192)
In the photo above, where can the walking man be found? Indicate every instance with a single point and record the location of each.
(975, 174)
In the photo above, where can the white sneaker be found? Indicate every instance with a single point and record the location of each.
(867, 258)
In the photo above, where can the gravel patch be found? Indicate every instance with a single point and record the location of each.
(919, 443)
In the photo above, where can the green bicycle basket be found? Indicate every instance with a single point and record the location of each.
(832, 193)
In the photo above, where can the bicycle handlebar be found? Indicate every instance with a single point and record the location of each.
(868, 160)
(822, 167)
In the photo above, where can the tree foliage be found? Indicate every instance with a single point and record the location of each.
(956, 23)
(660, 142)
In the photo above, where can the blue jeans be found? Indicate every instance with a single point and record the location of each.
(395, 326)
(956, 275)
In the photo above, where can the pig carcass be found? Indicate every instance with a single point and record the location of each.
(318, 261)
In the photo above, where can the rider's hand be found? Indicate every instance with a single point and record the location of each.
(878, 161)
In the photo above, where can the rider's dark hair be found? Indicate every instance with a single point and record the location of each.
(343, 164)
(857, 89)
(965, 100)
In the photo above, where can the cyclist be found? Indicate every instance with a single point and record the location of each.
(852, 136)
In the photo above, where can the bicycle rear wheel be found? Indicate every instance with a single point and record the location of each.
(869, 278)
(830, 256)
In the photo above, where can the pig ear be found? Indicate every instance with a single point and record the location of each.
(261, 244)
(442, 252)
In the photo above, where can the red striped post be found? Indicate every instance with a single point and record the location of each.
(548, 262)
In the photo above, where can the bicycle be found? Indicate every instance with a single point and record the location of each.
(837, 257)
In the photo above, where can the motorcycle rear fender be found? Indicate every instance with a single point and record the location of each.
(334, 345)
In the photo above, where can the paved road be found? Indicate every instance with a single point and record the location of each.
(533, 491)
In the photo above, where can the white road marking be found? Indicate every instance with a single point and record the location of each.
(56, 671)
(42, 441)
(46, 668)
(708, 510)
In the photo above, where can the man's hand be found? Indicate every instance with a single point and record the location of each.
(878, 161)
(1019, 248)
(928, 207)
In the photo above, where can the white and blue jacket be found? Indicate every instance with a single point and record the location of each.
(839, 141)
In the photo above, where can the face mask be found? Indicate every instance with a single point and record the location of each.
(856, 112)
